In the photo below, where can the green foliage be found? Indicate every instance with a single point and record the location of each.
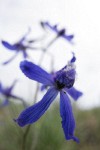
(47, 133)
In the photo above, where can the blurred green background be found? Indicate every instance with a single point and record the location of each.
(47, 133)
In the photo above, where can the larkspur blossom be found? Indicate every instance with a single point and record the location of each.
(6, 94)
(60, 33)
(20, 46)
(61, 82)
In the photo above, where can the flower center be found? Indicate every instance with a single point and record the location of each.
(65, 78)
(20, 46)
(66, 83)
(60, 85)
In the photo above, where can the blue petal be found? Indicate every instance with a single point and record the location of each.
(36, 73)
(8, 45)
(11, 87)
(68, 37)
(0, 87)
(33, 113)
(59, 32)
(44, 24)
(54, 28)
(75, 94)
(68, 122)
(25, 55)
(43, 87)
(5, 103)
(73, 58)
(7, 91)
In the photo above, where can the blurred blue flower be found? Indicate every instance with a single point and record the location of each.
(6, 94)
(61, 82)
(21, 46)
(60, 33)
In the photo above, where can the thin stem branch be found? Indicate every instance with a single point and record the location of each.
(51, 42)
(40, 61)
(25, 137)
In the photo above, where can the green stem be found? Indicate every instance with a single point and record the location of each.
(25, 137)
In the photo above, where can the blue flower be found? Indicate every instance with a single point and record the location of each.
(60, 33)
(61, 82)
(21, 46)
(6, 93)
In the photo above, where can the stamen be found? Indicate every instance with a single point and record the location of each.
(69, 67)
